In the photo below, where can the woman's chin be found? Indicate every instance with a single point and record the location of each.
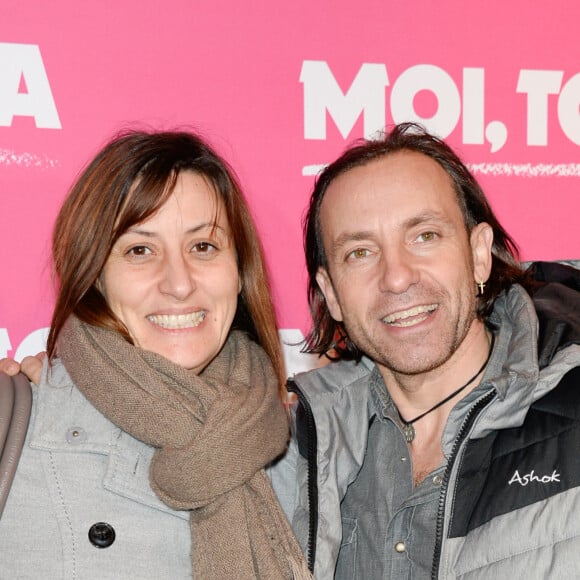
(189, 357)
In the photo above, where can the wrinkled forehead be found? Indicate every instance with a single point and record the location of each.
(388, 193)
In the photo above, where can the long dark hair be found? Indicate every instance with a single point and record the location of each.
(328, 335)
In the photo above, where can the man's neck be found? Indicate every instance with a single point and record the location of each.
(414, 394)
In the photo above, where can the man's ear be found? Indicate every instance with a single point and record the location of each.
(325, 284)
(481, 243)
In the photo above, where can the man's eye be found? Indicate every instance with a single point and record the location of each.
(358, 254)
(427, 236)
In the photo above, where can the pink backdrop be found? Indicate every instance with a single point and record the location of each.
(280, 89)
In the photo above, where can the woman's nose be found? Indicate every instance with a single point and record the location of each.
(177, 278)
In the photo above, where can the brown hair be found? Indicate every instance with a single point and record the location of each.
(127, 182)
(329, 335)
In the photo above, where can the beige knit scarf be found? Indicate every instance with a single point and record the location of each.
(213, 435)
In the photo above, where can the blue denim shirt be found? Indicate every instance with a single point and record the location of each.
(396, 538)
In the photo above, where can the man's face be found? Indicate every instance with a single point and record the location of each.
(401, 266)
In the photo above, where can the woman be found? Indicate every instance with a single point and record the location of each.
(158, 406)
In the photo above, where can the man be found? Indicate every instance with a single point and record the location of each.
(443, 441)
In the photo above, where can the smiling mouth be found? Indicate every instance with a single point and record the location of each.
(410, 317)
(177, 321)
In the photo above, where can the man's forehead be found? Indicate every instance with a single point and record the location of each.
(392, 182)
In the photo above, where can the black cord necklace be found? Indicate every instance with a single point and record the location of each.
(409, 430)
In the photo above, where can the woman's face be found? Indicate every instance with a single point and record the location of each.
(173, 279)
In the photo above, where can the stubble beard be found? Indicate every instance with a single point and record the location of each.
(421, 353)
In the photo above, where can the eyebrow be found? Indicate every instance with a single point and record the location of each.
(355, 236)
(206, 225)
(347, 237)
(426, 217)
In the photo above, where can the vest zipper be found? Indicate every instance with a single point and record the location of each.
(466, 425)
(312, 476)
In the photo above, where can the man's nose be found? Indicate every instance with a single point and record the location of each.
(398, 271)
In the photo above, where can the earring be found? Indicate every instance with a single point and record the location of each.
(481, 286)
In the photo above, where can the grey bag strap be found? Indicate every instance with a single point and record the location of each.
(15, 405)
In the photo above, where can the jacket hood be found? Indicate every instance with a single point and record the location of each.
(537, 342)
(556, 296)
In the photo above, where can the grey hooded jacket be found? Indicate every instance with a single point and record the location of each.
(521, 426)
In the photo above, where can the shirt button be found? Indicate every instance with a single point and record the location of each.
(437, 479)
(400, 547)
(101, 535)
(76, 435)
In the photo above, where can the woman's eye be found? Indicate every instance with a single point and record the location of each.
(139, 251)
(203, 248)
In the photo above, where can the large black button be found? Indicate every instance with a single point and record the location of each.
(101, 535)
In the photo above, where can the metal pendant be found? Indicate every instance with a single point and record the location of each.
(408, 432)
